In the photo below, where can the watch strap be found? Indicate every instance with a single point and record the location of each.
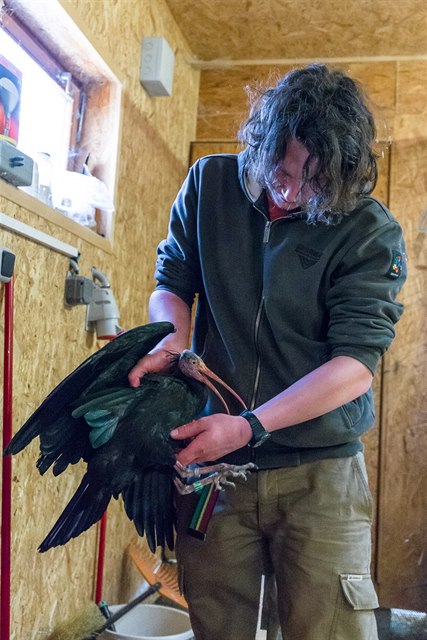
(259, 434)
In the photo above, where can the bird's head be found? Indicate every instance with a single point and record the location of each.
(192, 366)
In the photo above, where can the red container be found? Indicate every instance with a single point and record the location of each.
(10, 100)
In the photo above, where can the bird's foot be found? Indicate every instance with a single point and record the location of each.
(218, 474)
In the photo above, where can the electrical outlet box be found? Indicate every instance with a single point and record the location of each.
(15, 166)
(78, 290)
(7, 264)
(157, 62)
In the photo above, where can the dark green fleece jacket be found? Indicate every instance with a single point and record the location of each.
(278, 299)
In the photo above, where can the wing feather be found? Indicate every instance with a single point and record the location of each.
(63, 439)
(136, 456)
(110, 363)
(147, 510)
(86, 507)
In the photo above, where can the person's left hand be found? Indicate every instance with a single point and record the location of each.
(212, 437)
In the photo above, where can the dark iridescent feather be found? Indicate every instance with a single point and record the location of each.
(110, 364)
(133, 454)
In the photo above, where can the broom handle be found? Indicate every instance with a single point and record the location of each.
(123, 610)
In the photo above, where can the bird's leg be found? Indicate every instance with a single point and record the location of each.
(218, 474)
(220, 467)
(196, 487)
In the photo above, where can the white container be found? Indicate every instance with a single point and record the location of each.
(150, 622)
(44, 165)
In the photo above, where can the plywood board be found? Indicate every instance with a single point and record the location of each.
(403, 516)
(402, 566)
(284, 29)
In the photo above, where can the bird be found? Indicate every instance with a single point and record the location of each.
(122, 433)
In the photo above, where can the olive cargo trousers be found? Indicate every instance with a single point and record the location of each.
(309, 527)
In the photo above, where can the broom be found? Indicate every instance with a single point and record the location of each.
(90, 622)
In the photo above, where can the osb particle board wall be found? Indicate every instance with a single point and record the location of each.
(228, 30)
(396, 447)
(50, 340)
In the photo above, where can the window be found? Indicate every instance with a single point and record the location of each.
(68, 95)
(46, 108)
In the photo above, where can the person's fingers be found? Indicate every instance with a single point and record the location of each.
(186, 431)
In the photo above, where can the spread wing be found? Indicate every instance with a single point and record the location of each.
(64, 439)
(136, 462)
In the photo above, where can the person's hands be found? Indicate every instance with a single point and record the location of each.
(158, 361)
(212, 437)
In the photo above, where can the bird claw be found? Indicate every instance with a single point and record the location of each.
(217, 474)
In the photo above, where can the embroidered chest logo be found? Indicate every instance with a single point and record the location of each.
(396, 265)
(308, 257)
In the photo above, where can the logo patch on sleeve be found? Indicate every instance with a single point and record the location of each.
(396, 265)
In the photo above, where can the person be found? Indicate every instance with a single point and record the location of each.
(296, 268)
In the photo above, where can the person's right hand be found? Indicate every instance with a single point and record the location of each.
(159, 360)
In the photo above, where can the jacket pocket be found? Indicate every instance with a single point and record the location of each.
(359, 591)
(352, 412)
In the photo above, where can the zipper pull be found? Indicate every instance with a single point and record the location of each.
(267, 232)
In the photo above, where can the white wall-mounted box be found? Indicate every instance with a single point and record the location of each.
(157, 62)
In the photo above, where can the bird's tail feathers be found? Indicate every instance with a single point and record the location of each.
(149, 503)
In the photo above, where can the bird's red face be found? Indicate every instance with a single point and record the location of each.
(192, 366)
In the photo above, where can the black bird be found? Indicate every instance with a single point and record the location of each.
(121, 432)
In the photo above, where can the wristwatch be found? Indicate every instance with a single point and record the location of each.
(259, 434)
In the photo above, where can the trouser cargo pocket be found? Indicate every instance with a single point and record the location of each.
(354, 616)
(359, 591)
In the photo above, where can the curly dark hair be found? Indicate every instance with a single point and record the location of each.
(327, 112)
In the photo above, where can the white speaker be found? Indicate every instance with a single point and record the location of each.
(157, 61)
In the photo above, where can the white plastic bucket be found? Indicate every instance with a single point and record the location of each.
(150, 622)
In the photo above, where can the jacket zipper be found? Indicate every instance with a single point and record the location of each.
(258, 362)
(266, 238)
(260, 309)
(267, 229)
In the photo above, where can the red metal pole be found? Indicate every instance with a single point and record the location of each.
(6, 502)
(101, 556)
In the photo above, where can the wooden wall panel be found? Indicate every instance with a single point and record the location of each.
(226, 30)
(223, 101)
(205, 148)
(403, 506)
(50, 340)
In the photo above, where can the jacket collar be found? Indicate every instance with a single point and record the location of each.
(255, 193)
(250, 186)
